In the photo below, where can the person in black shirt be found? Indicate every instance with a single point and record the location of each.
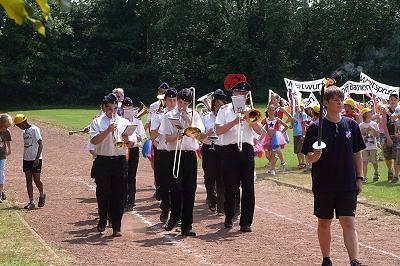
(336, 174)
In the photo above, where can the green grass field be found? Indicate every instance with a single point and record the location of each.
(381, 192)
(17, 244)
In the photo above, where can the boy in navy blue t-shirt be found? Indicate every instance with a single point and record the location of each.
(336, 174)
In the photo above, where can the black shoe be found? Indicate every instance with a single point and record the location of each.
(129, 207)
(246, 229)
(212, 207)
(116, 233)
(164, 216)
(355, 262)
(188, 233)
(42, 201)
(170, 225)
(3, 196)
(101, 228)
(228, 224)
(326, 261)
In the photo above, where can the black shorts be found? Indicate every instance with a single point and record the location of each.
(344, 203)
(28, 166)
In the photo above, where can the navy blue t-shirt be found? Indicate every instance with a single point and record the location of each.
(335, 170)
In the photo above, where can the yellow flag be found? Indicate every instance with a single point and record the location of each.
(15, 9)
(44, 7)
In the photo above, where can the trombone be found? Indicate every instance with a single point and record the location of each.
(251, 116)
(191, 131)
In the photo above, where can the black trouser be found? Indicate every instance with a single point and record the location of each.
(163, 163)
(132, 170)
(183, 190)
(155, 154)
(239, 169)
(212, 167)
(110, 177)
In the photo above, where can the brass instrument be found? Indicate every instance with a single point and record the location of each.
(117, 138)
(192, 132)
(141, 111)
(178, 147)
(251, 116)
(206, 101)
(77, 131)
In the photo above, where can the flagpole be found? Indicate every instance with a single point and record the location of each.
(319, 145)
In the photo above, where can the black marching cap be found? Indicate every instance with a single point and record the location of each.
(242, 86)
(164, 86)
(185, 94)
(171, 93)
(127, 102)
(219, 94)
(110, 98)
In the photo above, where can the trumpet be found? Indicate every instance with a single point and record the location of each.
(117, 138)
(192, 132)
(251, 116)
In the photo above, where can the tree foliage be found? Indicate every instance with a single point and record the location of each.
(100, 44)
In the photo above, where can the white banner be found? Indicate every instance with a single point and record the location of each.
(310, 101)
(356, 88)
(307, 86)
(379, 89)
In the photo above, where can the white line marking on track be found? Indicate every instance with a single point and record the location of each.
(314, 228)
(183, 246)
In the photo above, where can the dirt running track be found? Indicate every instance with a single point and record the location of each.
(284, 230)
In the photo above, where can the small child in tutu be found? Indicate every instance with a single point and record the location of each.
(275, 137)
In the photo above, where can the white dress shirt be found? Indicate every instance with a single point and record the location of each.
(161, 142)
(139, 132)
(107, 147)
(209, 123)
(153, 110)
(166, 128)
(226, 115)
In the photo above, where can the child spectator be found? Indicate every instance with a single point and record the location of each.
(32, 159)
(299, 130)
(274, 128)
(370, 131)
(5, 149)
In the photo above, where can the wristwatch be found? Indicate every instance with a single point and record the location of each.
(360, 177)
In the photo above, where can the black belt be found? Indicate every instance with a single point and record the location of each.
(111, 157)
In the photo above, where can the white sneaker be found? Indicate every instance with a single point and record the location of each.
(271, 172)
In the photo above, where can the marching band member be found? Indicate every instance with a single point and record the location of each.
(183, 188)
(240, 169)
(119, 93)
(109, 167)
(163, 154)
(153, 109)
(135, 139)
(212, 156)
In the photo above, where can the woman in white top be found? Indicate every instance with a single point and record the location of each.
(211, 151)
